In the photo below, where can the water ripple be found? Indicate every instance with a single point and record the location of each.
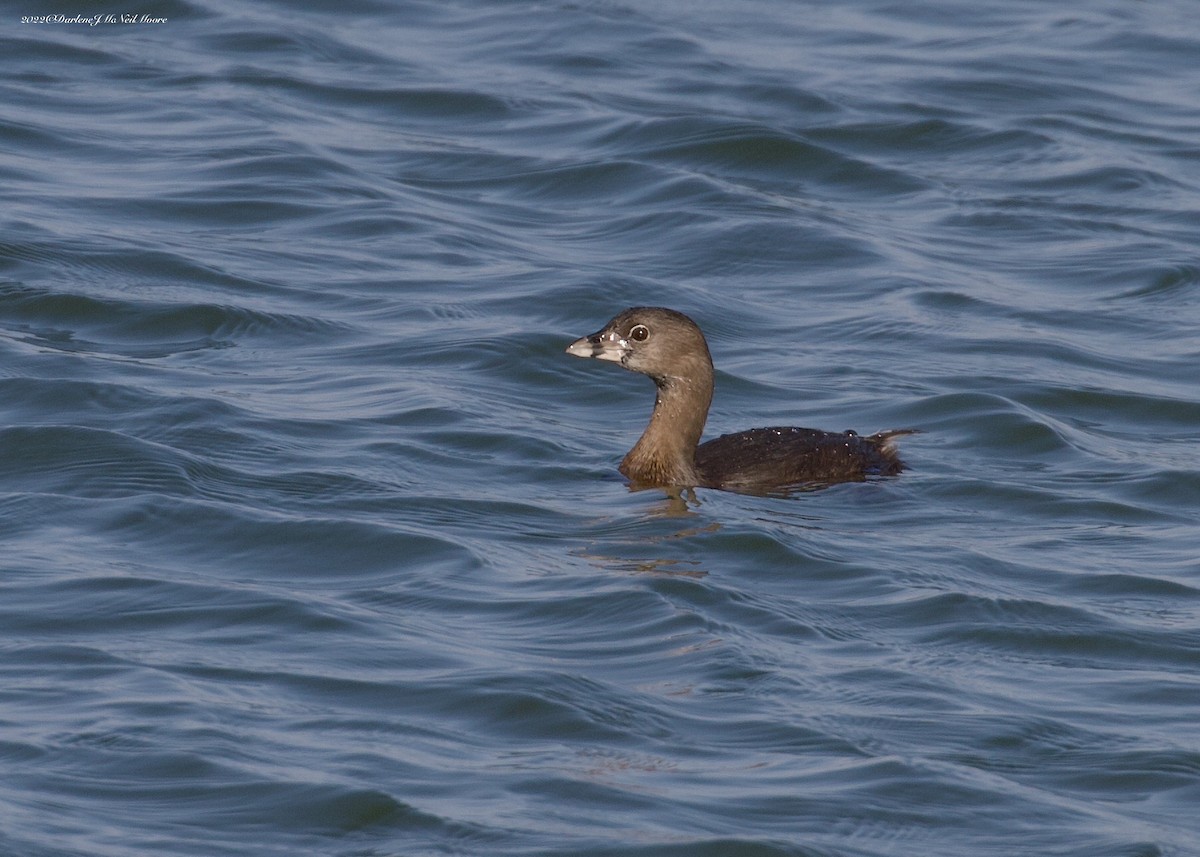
(313, 536)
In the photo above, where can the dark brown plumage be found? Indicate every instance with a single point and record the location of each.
(668, 347)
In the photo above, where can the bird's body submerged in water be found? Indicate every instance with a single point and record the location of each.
(669, 347)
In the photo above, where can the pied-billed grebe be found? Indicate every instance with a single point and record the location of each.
(669, 347)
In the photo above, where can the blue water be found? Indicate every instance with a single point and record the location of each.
(312, 537)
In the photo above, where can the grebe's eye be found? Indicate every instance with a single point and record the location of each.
(639, 333)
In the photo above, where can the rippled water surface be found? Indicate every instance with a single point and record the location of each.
(312, 537)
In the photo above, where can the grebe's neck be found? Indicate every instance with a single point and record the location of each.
(666, 452)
